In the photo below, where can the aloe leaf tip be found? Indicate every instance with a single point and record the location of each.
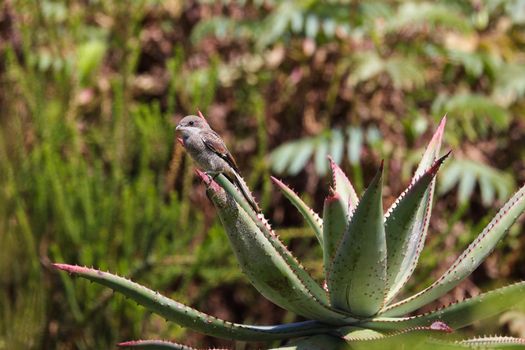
(69, 268)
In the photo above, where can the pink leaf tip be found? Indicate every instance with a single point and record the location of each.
(441, 326)
(68, 268)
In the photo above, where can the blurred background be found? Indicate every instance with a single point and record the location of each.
(90, 93)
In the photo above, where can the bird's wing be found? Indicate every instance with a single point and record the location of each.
(216, 144)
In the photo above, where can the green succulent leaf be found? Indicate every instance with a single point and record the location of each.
(271, 268)
(406, 224)
(460, 314)
(412, 338)
(335, 222)
(342, 186)
(469, 260)
(352, 334)
(404, 246)
(279, 248)
(312, 219)
(317, 342)
(339, 203)
(189, 317)
(154, 345)
(356, 277)
(495, 342)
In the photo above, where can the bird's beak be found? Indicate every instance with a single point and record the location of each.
(178, 127)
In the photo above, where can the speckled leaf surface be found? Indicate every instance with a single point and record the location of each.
(189, 317)
(460, 314)
(469, 260)
(317, 292)
(335, 222)
(411, 338)
(403, 229)
(495, 342)
(357, 274)
(405, 246)
(342, 186)
(337, 206)
(267, 268)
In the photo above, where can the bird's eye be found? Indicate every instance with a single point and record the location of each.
(191, 123)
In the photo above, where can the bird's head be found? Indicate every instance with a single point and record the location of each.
(191, 123)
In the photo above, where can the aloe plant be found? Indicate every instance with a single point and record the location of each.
(368, 258)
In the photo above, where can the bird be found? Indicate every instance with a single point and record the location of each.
(210, 153)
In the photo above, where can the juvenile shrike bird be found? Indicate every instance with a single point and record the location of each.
(208, 150)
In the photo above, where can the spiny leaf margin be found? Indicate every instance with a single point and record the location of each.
(469, 260)
(273, 262)
(357, 275)
(459, 314)
(189, 317)
(404, 228)
(312, 219)
(419, 232)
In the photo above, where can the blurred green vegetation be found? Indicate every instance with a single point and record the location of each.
(90, 174)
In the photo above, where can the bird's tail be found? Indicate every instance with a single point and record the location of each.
(239, 182)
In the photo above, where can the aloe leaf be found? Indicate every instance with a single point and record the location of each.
(335, 221)
(279, 248)
(189, 317)
(271, 268)
(154, 345)
(342, 186)
(317, 342)
(411, 338)
(272, 237)
(495, 342)
(432, 150)
(341, 200)
(312, 219)
(403, 229)
(460, 314)
(469, 260)
(404, 248)
(357, 334)
(357, 275)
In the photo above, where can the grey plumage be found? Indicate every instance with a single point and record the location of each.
(210, 153)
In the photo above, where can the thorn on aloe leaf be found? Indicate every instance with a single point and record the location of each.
(443, 158)
(281, 184)
(434, 167)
